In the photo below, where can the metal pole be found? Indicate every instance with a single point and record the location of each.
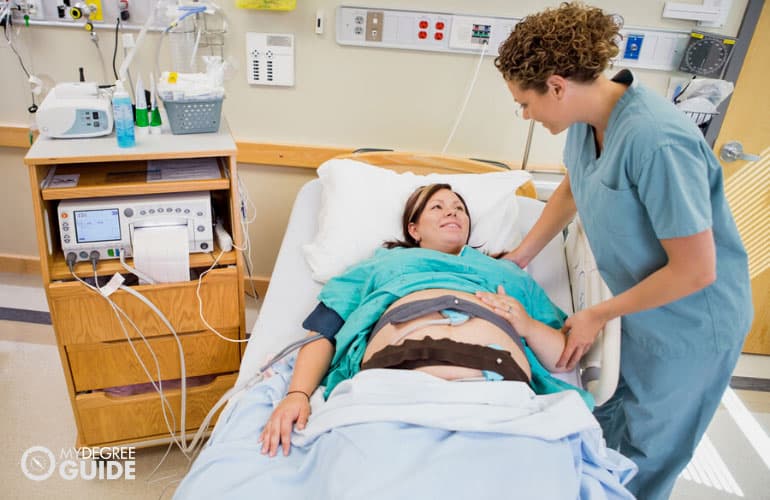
(527, 145)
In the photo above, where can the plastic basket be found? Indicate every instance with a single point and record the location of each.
(193, 116)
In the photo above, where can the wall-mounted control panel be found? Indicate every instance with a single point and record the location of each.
(270, 59)
(465, 33)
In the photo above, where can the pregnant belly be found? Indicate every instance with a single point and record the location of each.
(474, 331)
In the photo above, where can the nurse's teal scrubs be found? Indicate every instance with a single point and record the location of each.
(657, 178)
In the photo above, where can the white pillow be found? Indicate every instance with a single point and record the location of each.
(362, 205)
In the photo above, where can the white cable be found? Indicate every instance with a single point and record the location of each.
(95, 39)
(194, 51)
(182, 367)
(139, 274)
(158, 387)
(200, 302)
(467, 98)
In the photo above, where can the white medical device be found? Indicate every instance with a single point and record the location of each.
(73, 110)
(107, 225)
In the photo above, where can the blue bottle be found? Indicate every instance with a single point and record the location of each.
(123, 115)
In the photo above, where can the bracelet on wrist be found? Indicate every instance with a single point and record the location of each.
(300, 392)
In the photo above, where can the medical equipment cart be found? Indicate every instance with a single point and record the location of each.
(96, 356)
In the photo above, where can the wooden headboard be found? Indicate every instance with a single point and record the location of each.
(422, 164)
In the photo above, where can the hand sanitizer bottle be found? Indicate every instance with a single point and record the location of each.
(123, 116)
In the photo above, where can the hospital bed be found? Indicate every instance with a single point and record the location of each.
(412, 434)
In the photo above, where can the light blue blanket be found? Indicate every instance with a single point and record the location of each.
(387, 434)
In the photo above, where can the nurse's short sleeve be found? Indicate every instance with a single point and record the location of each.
(674, 187)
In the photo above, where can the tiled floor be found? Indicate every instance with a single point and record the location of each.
(733, 461)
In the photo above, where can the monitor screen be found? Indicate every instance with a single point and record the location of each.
(92, 226)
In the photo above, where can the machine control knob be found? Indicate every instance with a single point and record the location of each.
(204, 245)
(128, 212)
(201, 229)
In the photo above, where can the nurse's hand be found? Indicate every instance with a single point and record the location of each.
(581, 329)
(518, 257)
(295, 407)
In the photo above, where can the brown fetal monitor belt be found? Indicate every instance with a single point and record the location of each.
(431, 352)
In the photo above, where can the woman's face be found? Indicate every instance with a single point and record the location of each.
(443, 225)
(545, 109)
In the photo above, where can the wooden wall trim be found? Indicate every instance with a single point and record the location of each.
(254, 153)
(19, 264)
(286, 155)
(14, 137)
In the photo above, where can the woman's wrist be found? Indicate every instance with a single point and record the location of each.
(296, 391)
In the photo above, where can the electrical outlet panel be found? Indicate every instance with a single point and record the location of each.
(420, 30)
(651, 49)
(446, 32)
(270, 59)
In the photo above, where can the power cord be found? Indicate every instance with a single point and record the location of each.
(467, 98)
(200, 302)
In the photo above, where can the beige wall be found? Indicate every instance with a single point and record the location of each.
(344, 96)
(17, 226)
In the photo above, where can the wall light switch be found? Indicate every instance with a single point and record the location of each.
(319, 22)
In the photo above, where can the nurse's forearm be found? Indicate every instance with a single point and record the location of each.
(691, 267)
(312, 363)
(558, 212)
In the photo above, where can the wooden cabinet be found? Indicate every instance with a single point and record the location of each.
(99, 356)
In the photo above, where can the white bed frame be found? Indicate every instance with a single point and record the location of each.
(292, 293)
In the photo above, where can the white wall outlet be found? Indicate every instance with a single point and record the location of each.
(270, 59)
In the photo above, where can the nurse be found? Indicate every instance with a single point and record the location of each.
(649, 192)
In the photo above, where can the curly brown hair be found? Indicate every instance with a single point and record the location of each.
(574, 41)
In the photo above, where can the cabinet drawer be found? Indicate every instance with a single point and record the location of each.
(96, 366)
(81, 316)
(107, 419)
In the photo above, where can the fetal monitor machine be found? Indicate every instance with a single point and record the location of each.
(108, 225)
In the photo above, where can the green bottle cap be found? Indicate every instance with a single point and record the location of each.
(155, 118)
(141, 117)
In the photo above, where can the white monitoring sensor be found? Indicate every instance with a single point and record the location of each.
(270, 59)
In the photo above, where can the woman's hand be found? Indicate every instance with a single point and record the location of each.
(295, 407)
(509, 308)
(581, 329)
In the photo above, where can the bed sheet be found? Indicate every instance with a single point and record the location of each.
(388, 434)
